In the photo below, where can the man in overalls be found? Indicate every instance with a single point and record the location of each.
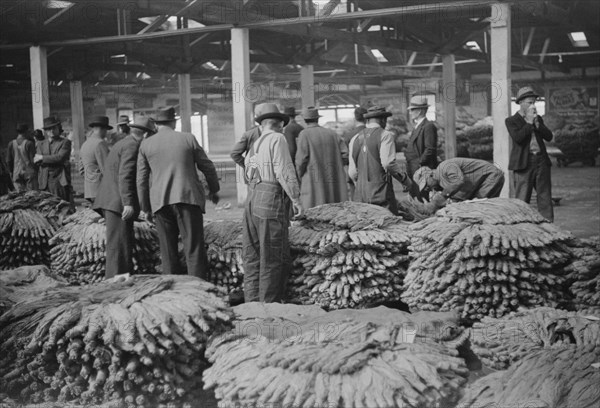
(373, 162)
(270, 174)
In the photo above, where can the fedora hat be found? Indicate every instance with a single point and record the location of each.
(525, 92)
(269, 111)
(165, 115)
(50, 122)
(22, 127)
(421, 175)
(290, 111)
(418, 102)
(359, 113)
(144, 123)
(376, 112)
(123, 120)
(100, 121)
(310, 113)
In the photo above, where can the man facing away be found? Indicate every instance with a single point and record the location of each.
(19, 157)
(176, 196)
(320, 161)
(528, 157)
(270, 174)
(117, 199)
(292, 130)
(92, 155)
(373, 162)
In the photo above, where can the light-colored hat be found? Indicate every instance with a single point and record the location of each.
(525, 92)
(376, 112)
(421, 175)
(269, 111)
(144, 123)
(310, 113)
(418, 102)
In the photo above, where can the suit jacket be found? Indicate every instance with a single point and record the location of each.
(171, 159)
(520, 131)
(422, 145)
(92, 155)
(320, 162)
(242, 147)
(291, 132)
(118, 186)
(55, 163)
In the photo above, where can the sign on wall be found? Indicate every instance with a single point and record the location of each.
(576, 105)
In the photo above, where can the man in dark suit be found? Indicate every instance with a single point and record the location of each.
(528, 157)
(53, 156)
(117, 198)
(422, 145)
(176, 195)
(291, 131)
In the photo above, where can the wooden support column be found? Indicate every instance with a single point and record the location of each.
(185, 102)
(40, 100)
(242, 106)
(501, 88)
(307, 85)
(449, 95)
(77, 115)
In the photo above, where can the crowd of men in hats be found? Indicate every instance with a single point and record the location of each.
(151, 171)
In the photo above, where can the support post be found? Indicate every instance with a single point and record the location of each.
(185, 102)
(307, 85)
(77, 115)
(501, 89)
(242, 107)
(449, 95)
(40, 101)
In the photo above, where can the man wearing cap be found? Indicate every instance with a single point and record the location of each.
(175, 195)
(292, 130)
(117, 198)
(461, 179)
(19, 157)
(373, 162)
(320, 161)
(528, 157)
(422, 144)
(122, 130)
(92, 156)
(53, 156)
(269, 172)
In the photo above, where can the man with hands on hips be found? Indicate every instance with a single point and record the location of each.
(528, 157)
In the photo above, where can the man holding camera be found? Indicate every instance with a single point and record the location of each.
(528, 157)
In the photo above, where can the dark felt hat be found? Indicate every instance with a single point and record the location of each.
(290, 111)
(50, 122)
(359, 113)
(377, 112)
(269, 111)
(22, 127)
(144, 123)
(165, 115)
(525, 92)
(100, 121)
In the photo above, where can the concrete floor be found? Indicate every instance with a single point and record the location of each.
(579, 188)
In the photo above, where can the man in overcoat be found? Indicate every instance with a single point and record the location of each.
(53, 157)
(117, 198)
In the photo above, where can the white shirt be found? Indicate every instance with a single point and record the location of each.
(418, 122)
(387, 150)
